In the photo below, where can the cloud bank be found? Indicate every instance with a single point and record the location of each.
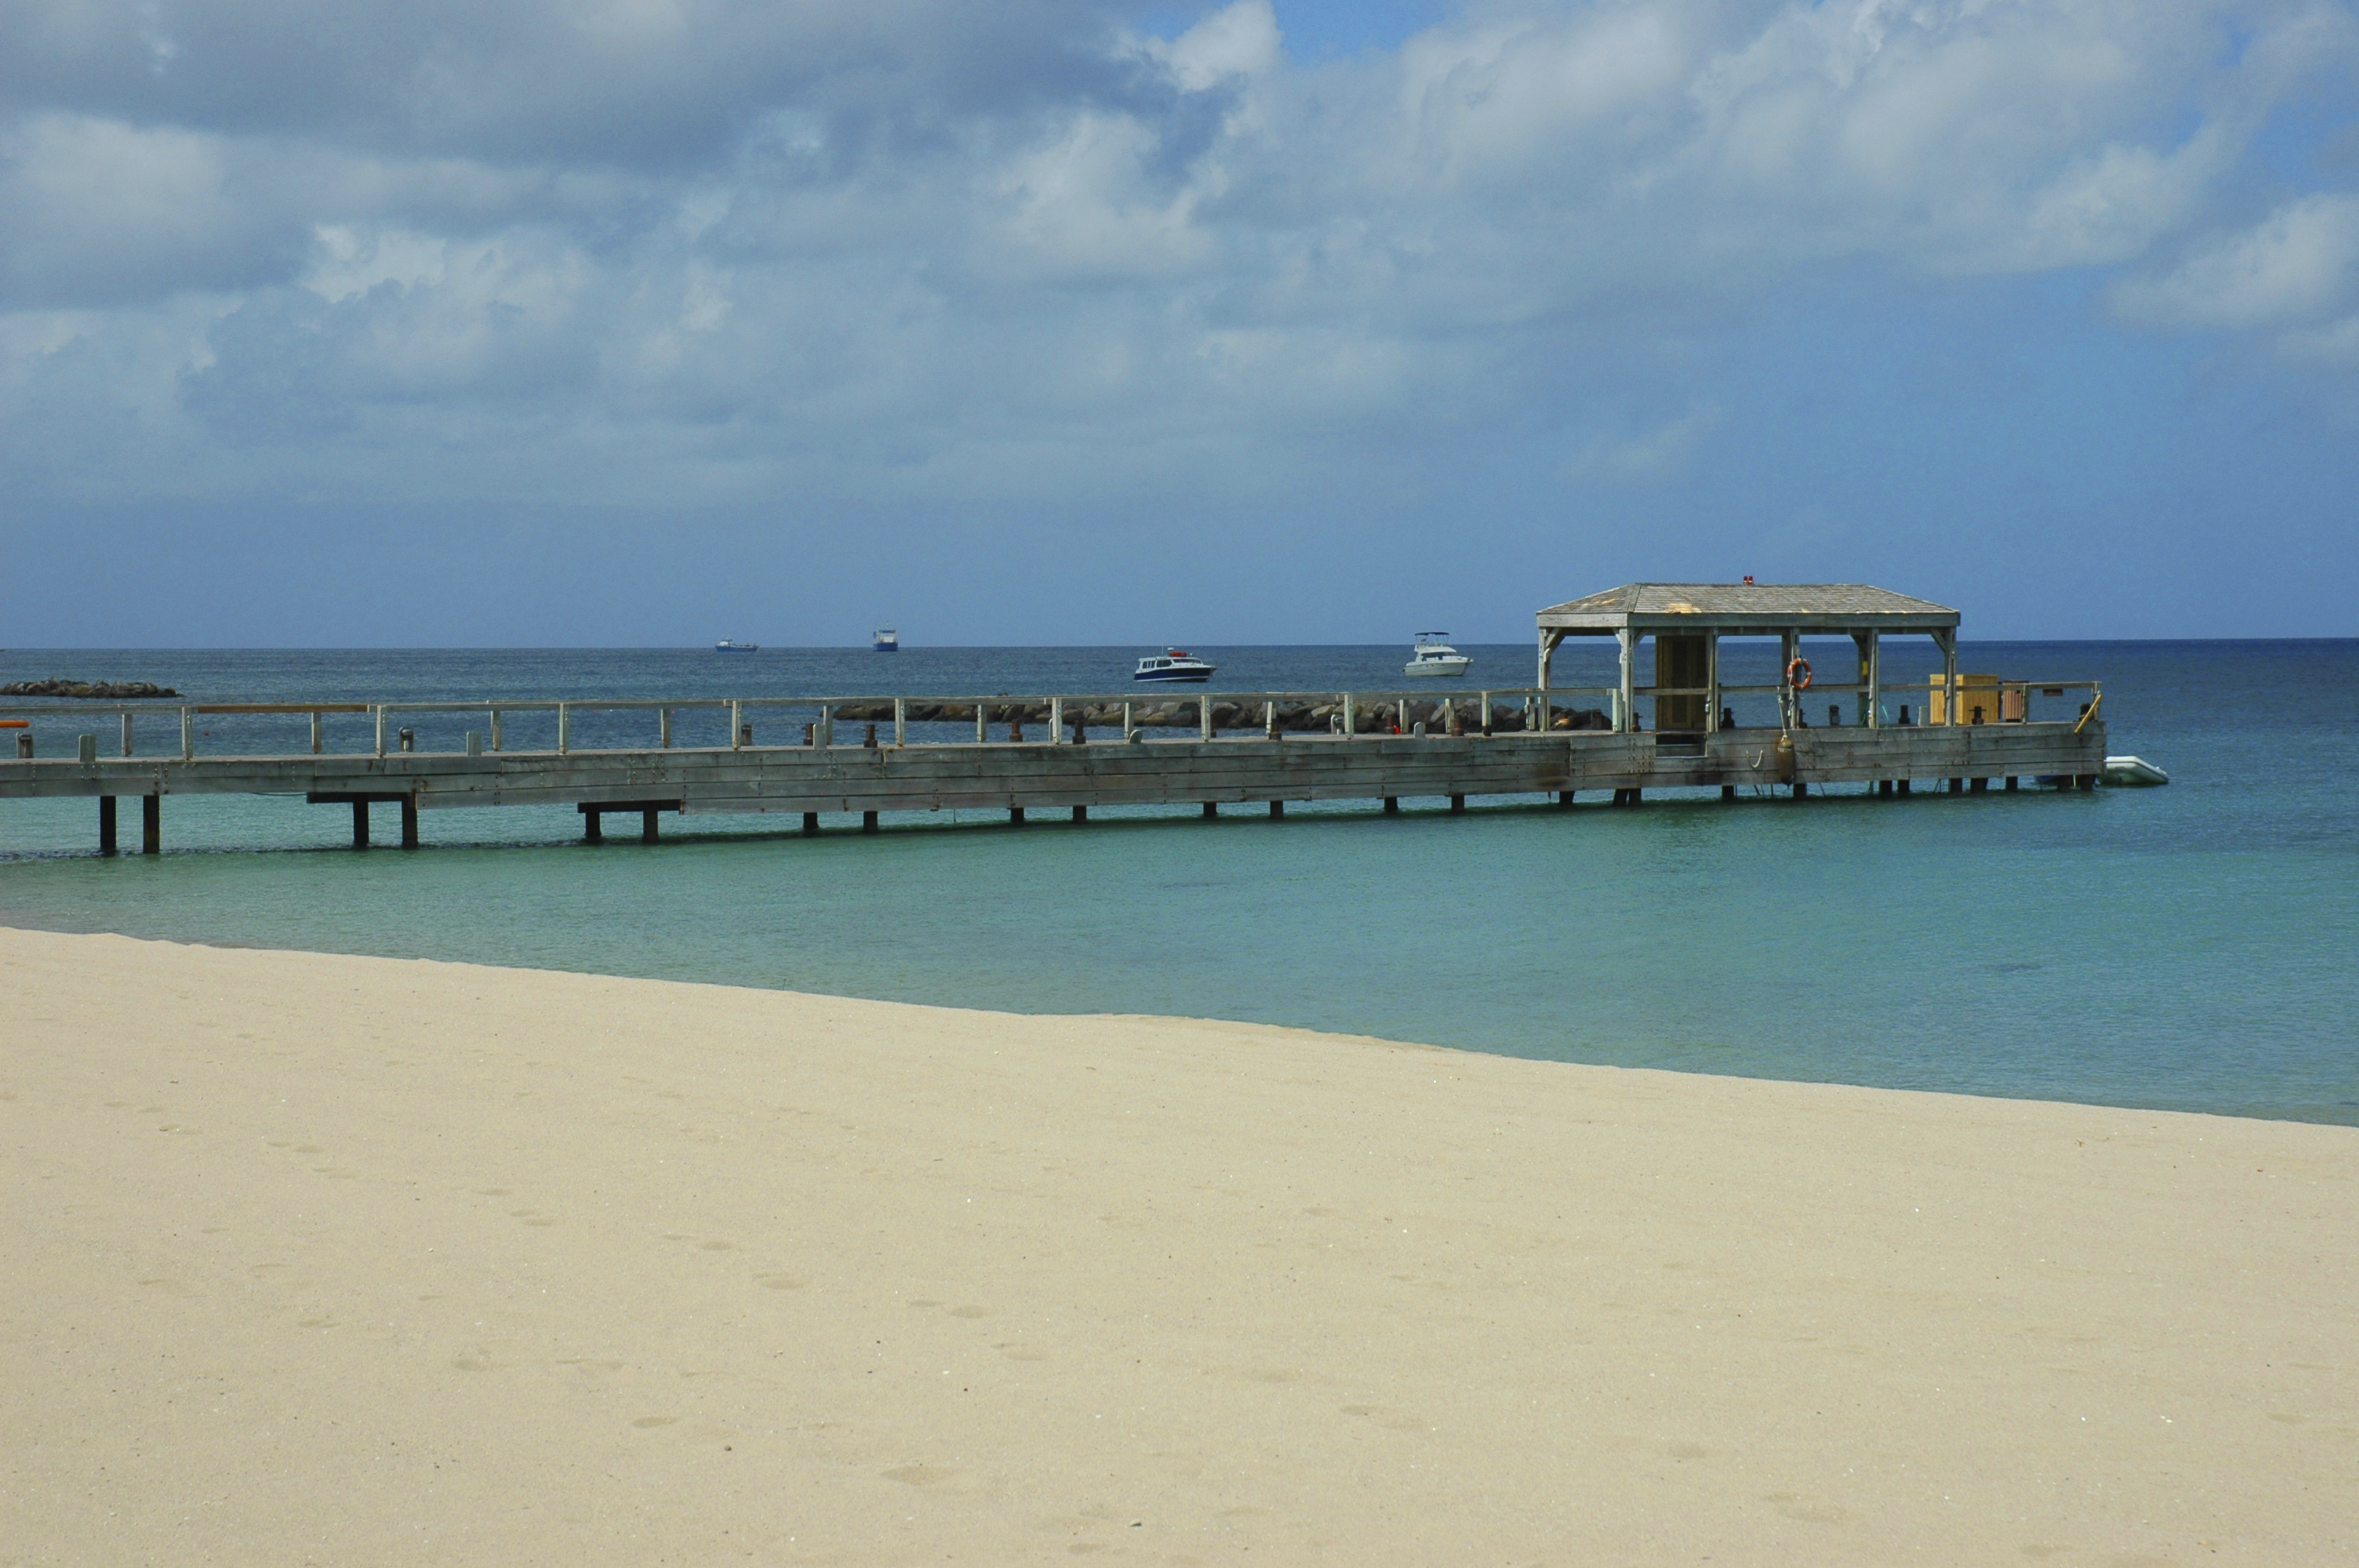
(645, 252)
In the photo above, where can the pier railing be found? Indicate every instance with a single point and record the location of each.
(1515, 709)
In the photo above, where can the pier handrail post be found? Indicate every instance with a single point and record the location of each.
(380, 729)
(1204, 717)
(900, 721)
(1486, 713)
(1056, 721)
(826, 732)
(127, 732)
(496, 728)
(318, 741)
(663, 728)
(1949, 642)
(1871, 676)
(188, 735)
(564, 727)
(982, 718)
(1350, 727)
(737, 729)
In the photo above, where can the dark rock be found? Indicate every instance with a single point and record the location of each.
(101, 690)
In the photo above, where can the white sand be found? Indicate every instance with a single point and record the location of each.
(345, 1260)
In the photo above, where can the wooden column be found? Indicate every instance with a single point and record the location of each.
(811, 823)
(1211, 809)
(593, 826)
(1789, 645)
(1277, 808)
(1626, 697)
(151, 824)
(409, 822)
(360, 823)
(1712, 681)
(868, 821)
(648, 832)
(1948, 643)
(106, 824)
(900, 721)
(1871, 676)
(1081, 814)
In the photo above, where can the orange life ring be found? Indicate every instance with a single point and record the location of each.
(1801, 681)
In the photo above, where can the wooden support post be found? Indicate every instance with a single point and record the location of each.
(1884, 788)
(188, 735)
(1712, 683)
(2011, 783)
(1957, 786)
(1626, 697)
(1277, 808)
(319, 740)
(1081, 814)
(360, 825)
(663, 728)
(868, 822)
(1564, 797)
(1016, 816)
(1056, 721)
(1948, 642)
(1269, 721)
(648, 832)
(106, 824)
(1486, 715)
(1801, 790)
(126, 734)
(736, 722)
(1457, 805)
(1728, 792)
(1979, 786)
(380, 730)
(409, 822)
(1900, 785)
(1211, 809)
(496, 728)
(1351, 718)
(151, 824)
(593, 826)
(565, 727)
(1871, 676)
(1204, 717)
(1392, 805)
(900, 721)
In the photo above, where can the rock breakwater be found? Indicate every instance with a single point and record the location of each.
(101, 690)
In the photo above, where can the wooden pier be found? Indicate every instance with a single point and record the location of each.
(1391, 746)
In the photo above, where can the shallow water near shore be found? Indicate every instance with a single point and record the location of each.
(2188, 947)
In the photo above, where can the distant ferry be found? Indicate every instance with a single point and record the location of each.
(727, 646)
(887, 640)
(1172, 663)
(1434, 659)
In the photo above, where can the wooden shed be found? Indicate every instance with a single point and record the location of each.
(1688, 621)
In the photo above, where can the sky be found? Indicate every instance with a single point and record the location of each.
(646, 322)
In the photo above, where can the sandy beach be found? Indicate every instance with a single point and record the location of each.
(319, 1260)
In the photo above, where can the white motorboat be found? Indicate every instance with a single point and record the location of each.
(726, 646)
(886, 640)
(2133, 771)
(1434, 659)
(1174, 665)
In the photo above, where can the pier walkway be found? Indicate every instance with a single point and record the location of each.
(859, 754)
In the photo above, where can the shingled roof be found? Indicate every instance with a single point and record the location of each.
(1741, 608)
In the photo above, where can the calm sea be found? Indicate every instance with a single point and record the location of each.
(2190, 946)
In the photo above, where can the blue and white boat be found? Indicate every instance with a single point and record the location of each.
(1174, 665)
(1432, 658)
(726, 646)
(886, 641)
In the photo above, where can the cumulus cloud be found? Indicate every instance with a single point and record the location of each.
(649, 248)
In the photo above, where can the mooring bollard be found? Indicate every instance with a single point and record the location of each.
(24, 744)
(408, 740)
(871, 741)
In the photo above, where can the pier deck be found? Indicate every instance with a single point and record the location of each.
(1258, 767)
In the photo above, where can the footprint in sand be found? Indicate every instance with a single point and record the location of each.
(646, 1420)
(934, 1477)
(531, 1217)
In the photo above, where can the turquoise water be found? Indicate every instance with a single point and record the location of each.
(2189, 947)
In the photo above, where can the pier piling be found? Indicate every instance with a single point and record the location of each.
(106, 824)
(151, 824)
